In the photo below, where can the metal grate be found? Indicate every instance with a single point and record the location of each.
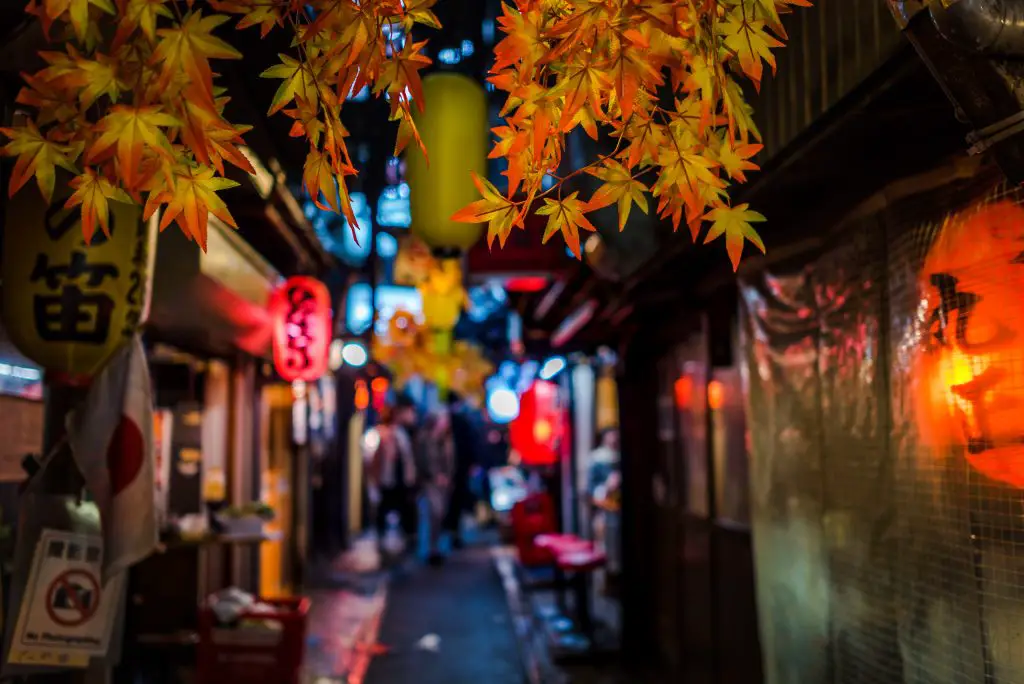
(889, 537)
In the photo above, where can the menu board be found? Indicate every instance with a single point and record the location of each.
(185, 491)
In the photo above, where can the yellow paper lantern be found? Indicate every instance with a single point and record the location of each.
(69, 306)
(443, 295)
(454, 129)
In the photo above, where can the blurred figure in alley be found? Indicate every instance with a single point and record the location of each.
(392, 472)
(604, 460)
(467, 446)
(435, 450)
(604, 488)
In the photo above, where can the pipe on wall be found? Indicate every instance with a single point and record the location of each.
(990, 26)
(987, 26)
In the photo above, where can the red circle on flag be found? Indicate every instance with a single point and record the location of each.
(124, 455)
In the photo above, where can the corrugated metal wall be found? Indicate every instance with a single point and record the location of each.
(890, 547)
(832, 48)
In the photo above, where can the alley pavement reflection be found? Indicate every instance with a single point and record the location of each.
(447, 625)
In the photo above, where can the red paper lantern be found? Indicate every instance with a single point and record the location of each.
(970, 364)
(536, 433)
(301, 312)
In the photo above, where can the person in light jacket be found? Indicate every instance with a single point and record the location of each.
(392, 471)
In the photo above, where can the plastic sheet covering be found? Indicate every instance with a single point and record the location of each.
(787, 503)
(885, 381)
(859, 505)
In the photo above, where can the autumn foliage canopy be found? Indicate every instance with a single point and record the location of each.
(129, 104)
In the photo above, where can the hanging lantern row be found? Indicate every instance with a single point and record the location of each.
(410, 350)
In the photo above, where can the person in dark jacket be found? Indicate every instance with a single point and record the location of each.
(467, 441)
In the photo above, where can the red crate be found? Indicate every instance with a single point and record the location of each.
(254, 656)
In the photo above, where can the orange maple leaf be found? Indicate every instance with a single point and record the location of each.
(132, 130)
(38, 156)
(140, 14)
(189, 48)
(92, 192)
(190, 199)
(400, 76)
(498, 212)
(77, 10)
(734, 224)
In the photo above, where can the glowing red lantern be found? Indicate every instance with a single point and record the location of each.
(301, 312)
(379, 387)
(536, 433)
(362, 398)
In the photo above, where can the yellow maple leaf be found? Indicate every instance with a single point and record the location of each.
(619, 187)
(498, 212)
(735, 158)
(267, 16)
(418, 12)
(582, 87)
(299, 82)
(746, 37)
(132, 130)
(86, 79)
(734, 224)
(319, 179)
(407, 132)
(92, 192)
(51, 101)
(189, 48)
(37, 155)
(566, 216)
(739, 111)
(78, 13)
(140, 14)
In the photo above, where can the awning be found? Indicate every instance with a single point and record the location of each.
(213, 302)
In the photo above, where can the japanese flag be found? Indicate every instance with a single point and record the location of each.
(111, 438)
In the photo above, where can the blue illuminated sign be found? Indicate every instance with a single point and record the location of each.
(393, 207)
(389, 298)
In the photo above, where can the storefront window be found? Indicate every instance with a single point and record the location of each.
(728, 444)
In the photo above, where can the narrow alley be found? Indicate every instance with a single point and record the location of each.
(512, 341)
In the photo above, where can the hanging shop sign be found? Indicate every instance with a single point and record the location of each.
(68, 614)
(537, 431)
(68, 305)
(301, 314)
(454, 130)
(969, 376)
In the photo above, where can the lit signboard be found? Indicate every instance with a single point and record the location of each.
(393, 206)
(389, 298)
